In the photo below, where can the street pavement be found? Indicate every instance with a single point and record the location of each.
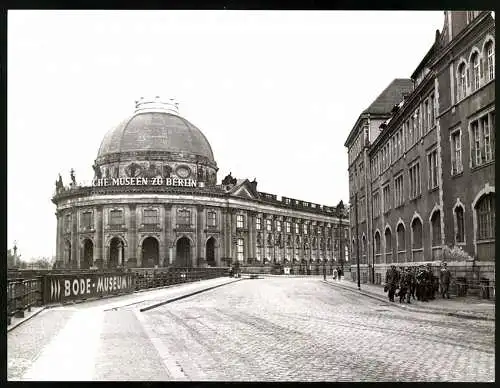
(267, 329)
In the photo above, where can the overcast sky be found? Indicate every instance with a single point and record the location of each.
(276, 93)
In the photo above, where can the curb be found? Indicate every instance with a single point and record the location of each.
(12, 327)
(186, 296)
(414, 309)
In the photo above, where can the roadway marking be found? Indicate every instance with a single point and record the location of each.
(71, 355)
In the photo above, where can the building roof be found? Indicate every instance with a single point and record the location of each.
(391, 95)
(157, 128)
(384, 103)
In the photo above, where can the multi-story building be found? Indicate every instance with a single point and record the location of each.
(430, 181)
(155, 201)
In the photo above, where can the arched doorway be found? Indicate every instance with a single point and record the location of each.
(210, 252)
(116, 252)
(183, 250)
(150, 252)
(88, 254)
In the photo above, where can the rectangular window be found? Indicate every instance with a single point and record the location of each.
(483, 139)
(414, 174)
(398, 190)
(239, 221)
(287, 226)
(417, 125)
(297, 229)
(269, 226)
(434, 110)
(258, 223)
(386, 191)
(86, 220)
(239, 252)
(116, 217)
(278, 226)
(211, 218)
(150, 216)
(490, 61)
(304, 228)
(456, 153)
(432, 169)
(183, 217)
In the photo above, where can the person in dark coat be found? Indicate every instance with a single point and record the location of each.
(324, 271)
(444, 280)
(404, 286)
(339, 273)
(429, 282)
(413, 283)
(391, 281)
(421, 277)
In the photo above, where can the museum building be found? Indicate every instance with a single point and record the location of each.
(155, 201)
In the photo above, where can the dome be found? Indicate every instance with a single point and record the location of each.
(155, 126)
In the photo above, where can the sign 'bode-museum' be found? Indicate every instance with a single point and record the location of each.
(155, 201)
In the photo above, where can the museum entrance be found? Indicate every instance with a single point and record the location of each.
(150, 252)
(183, 252)
(210, 252)
(88, 254)
(116, 252)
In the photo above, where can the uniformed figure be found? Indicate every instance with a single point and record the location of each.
(444, 280)
(420, 287)
(430, 282)
(404, 286)
(413, 283)
(391, 281)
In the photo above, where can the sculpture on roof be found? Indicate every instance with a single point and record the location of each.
(97, 171)
(229, 180)
(59, 184)
(72, 175)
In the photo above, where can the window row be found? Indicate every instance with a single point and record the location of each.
(479, 70)
(421, 121)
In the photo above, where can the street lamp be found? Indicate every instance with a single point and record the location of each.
(339, 212)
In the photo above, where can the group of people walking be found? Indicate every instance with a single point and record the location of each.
(336, 273)
(416, 282)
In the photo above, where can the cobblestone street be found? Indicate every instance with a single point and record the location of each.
(277, 329)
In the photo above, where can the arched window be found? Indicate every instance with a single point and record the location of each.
(416, 227)
(436, 228)
(363, 249)
(401, 243)
(459, 222)
(377, 247)
(388, 240)
(485, 209)
(475, 71)
(462, 84)
(490, 61)
(388, 245)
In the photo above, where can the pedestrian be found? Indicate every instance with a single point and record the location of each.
(413, 282)
(324, 272)
(421, 279)
(445, 277)
(430, 282)
(391, 282)
(404, 286)
(339, 273)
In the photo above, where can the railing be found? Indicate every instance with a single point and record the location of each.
(61, 286)
(22, 295)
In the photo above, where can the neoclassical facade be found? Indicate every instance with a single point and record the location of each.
(155, 201)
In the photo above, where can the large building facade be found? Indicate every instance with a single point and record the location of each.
(422, 174)
(155, 201)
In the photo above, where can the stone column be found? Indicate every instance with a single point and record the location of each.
(75, 251)
(200, 226)
(132, 237)
(169, 233)
(251, 236)
(120, 256)
(99, 243)
(233, 236)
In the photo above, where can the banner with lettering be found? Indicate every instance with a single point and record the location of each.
(68, 287)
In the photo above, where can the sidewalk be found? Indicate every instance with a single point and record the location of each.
(463, 307)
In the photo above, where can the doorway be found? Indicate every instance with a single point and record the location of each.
(183, 250)
(150, 252)
(210, 252)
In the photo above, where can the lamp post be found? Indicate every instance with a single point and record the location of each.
(339, 212)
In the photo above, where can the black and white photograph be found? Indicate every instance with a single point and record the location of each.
(251, 195)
